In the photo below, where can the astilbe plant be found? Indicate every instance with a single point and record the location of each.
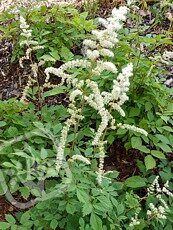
(14, 6)
(96, 51)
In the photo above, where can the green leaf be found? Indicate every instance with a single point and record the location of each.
(164, 147)
(55, 91)
(55, 55)
(148, 106)
(8, 164)
(87, 209)
(158, 154)
(66, 54)
(120, 132)
(3, 184)
(105, 201)
(10, 219)
(150, 162)
(51, 172)
(39, 125)
(134, 112)
(47, 57)
(150, 116)
(2, 123)
(24, 218)
(95, 222)
(135, 182)
(54, 224)
(136, 142)
(4, 225)
(144, 149)
(70, 208)
(131, 200)
(162, 138)
(71, 137)
(43, 153)
(12, 131)
(25, 192)
(167, 128)
(82, 196)
(57, 128)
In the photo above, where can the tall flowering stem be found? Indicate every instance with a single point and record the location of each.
(97, 53)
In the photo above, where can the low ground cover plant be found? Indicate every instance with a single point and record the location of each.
(53, 156)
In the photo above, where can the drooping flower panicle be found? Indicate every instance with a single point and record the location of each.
(97, 51)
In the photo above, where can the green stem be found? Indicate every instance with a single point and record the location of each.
(77, 124)
(145, 77)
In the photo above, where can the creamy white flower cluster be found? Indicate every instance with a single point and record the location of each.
(31, 46)
(75, 115)
(103, 102)
(131, 2)
(167, 55)
(30, 82)
(14, 6)
(105, 39)
(61, 71)
(117, 97)
(134, 221)
(155, 189)
(156, 212)
(100, 172)
(27, 33)
(80, 158)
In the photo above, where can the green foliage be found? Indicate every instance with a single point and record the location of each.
(59, 29)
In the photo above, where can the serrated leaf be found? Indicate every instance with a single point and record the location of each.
(105, 201)
(158, 154)
(148, 106)
(70, 208)
(8, 164)
(135, 182)
(3, 184)
(82, 196)
(54, 224)
(2, 123)
(57, 128)
(95, 222)
(100, 207)
(51, 172)
(144, 149)
(25, 192)
(164, 147)
(4, 225)
(47, 57)
(10, 219)
(136, 142)
(121, 132)
(150, 162)
(87, 209)
(55, 55)
(167, 128)
(134, 112)
(55, 91)
(35, 192)
(162, 138)
(39, 125)
(66, 54)
(24, 218)
(43, 153)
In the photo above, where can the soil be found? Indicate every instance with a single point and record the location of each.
(6, 208)
(122, 160)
